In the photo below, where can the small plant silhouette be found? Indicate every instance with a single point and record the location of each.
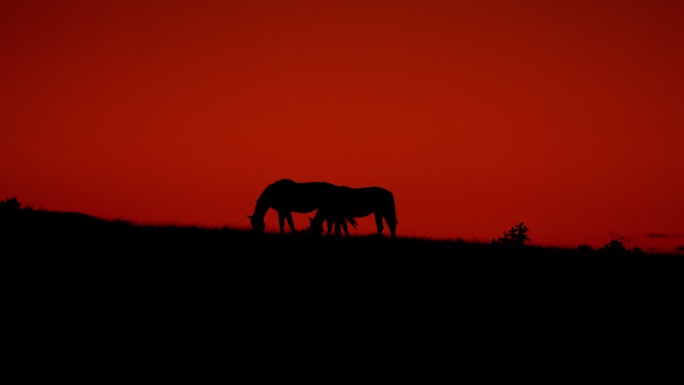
(10, 204)
(614, 247)
(584, 247)
(516, 236)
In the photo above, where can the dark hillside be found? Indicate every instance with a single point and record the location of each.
(70, 274)
(63, 236)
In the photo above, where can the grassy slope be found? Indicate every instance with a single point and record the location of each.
(71, 276)
(46, 230)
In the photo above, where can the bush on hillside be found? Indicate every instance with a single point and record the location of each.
(515, 237)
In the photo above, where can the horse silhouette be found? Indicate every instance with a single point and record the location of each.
(286, 196)
(350, 203)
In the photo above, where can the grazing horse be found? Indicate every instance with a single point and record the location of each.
(286, 196)
(355, 203)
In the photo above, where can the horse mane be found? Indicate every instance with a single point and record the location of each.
(269, 189)
(284, 180)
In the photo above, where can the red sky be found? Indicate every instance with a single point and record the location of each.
(477, 115)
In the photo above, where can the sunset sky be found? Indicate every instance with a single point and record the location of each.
(477, 115)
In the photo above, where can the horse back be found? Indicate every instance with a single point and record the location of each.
(365, 200)
(300, 197)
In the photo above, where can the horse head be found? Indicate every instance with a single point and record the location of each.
(258, 224)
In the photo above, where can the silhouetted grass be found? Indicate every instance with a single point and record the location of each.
(28, 230)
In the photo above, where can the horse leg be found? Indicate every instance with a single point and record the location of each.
(378, 223)
(391, 220)
(392, 224)
(281, 221)
(330, 224)
(290, 222)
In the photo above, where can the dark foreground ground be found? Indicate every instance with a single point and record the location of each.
(78, 243)
(121, 295)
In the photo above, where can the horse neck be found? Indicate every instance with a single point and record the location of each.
(261, 208)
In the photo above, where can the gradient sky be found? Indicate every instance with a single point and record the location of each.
(477, 115)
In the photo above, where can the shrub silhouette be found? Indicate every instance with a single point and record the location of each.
(11, 204)
(614, 247)
(516, 236)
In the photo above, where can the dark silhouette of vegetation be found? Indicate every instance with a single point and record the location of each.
(515, 237)
(584, 248)
(616, 248)
(10, 204)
